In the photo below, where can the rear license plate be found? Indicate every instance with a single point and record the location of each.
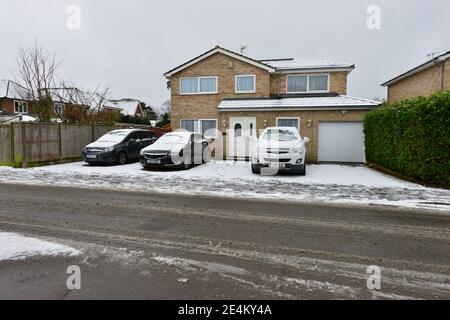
(153, 161)
(91, 156)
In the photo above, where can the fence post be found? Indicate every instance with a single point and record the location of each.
(93, 133)
(11, 141)
(60, 142)
(24, 145)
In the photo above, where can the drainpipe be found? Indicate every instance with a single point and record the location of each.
(443, 75)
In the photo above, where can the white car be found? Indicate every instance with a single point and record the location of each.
(176, 150)
(280, 148)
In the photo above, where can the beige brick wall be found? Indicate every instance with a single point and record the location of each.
(424, 83)
(269, 118)
(338, 83)
(447, 75)
(204, 106)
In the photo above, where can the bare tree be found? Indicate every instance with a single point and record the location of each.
(165, 107)
(36, 73)
(81, 106)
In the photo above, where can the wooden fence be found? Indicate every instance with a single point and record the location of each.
(35, 144)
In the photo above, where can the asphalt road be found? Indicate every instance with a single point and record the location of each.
(161, 246)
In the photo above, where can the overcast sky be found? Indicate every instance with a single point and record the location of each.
(128, 45)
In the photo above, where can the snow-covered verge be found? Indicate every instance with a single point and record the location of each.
(14, 246)
(323, 183)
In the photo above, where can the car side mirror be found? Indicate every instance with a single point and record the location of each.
(131, 141)
(306, 139)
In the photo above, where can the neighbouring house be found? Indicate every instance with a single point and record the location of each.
(229, 96)
(13, 99)
(127, 107)
(423, 80)
(68, 103)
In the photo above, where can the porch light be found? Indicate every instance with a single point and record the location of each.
(224, 124)
(265, 123)
(310, 123)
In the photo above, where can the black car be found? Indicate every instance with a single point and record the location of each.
(118, 146)
(176, 150)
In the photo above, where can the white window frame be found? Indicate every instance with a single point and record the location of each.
(290, 118)
(201, 128)
(198, 85)
(24, 106)
(198, 126)
(60, 105)
(307, 83)
(242, 76)
(195, 120)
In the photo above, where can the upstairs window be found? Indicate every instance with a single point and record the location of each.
(318, 83)
(58, 108)
(307, 83)
(246, 84)
(20, 107)
(297, 84)
(198, 85)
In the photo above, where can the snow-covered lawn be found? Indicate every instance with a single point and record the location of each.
(14, 246)
(323, 183)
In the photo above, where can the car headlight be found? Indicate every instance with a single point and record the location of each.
(177, 153)
(297, 151)
(108, 149)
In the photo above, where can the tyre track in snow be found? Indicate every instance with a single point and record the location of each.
(287, 250)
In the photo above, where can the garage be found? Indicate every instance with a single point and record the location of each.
(341, 142)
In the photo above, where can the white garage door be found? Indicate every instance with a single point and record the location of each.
(341, 142)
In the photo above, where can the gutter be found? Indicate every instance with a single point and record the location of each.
(324, 108)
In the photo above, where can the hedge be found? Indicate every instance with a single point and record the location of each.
(412, 138)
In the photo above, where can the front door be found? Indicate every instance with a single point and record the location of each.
(243, 137)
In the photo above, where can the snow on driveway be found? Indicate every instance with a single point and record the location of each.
(14, 246)
(323, 183)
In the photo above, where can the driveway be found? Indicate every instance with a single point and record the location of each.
(323, 183)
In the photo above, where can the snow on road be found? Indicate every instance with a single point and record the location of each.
(14, 246)
(323, 183)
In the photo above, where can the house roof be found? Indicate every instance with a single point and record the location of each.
(127, 107)
(12, 90)
(298, 103)
(224, 51)
(424, 66)
(68, 95)
(299, 64)
(271, 65)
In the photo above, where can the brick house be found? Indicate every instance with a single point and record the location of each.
(423, 80)
(12, 98)
(231, 98)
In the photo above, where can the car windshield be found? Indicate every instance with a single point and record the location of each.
(174, 139)
(114, 136)
(280, 135)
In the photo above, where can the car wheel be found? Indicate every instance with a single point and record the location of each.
(255, 169)
(121, 158)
